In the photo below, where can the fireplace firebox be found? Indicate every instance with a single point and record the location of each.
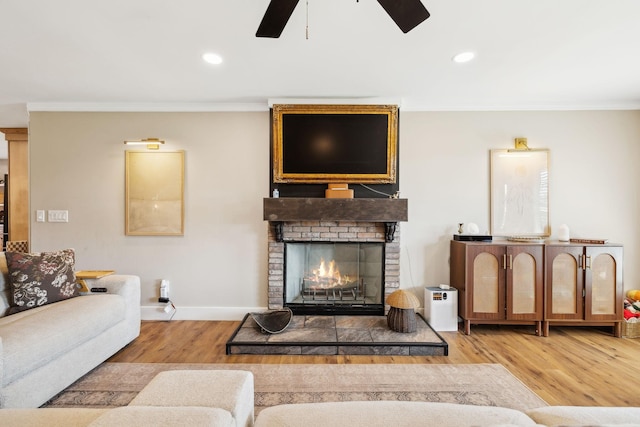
(334, 277)
(364, 230)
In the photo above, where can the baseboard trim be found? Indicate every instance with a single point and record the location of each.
(157, 312)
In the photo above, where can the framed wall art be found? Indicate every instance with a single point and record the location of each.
(154, 193)
(520, 193)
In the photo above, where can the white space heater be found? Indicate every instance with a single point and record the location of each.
(441, 308)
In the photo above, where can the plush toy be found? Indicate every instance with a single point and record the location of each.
(628, 314)
(634, 294)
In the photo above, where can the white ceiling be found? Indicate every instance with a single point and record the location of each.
(146, 55)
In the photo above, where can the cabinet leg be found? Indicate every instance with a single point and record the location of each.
(467, 327)
(539, 328)
(545, 329)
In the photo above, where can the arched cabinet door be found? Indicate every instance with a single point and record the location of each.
(525, 284)
(565, 283)
(603, 283)
(498, 283)
(487, 282)
(583, 286)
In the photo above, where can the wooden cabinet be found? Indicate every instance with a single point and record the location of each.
(583, 286)
(498, 283)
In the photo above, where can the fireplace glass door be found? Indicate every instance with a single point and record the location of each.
(334, 278)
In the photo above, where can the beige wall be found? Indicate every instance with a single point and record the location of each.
(77, 163)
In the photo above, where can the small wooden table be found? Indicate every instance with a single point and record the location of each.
(90, 274)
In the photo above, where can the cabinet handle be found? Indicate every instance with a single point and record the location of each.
(588, 263)
(510, 262)
(504, 261)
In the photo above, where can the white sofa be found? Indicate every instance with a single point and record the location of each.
(386, 413)
(173, 398)
(226, 398)
(44, 350)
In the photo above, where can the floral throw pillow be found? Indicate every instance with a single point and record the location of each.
(42, 278)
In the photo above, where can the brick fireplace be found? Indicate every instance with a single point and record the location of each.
(339, 221)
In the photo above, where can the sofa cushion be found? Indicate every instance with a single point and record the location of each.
(154, 416)
(33, 338)
(41, 278)
(49, 417)
(388, 413)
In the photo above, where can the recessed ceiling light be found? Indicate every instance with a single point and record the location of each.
(212, 58)
(463, 57)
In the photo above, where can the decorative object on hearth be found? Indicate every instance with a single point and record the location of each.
(274, 321)
(402, 316)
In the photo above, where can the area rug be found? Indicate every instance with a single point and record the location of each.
(116, 384)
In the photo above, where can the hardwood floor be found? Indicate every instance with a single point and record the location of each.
(573, 366)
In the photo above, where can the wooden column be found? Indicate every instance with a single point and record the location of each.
(18, 197)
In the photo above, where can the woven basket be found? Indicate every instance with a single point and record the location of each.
(631, 330)
(402, 319)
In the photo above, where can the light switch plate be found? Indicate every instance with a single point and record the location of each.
(39, 216)
(58, 216)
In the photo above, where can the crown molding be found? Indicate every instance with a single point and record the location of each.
(265, 106)
(146, 107)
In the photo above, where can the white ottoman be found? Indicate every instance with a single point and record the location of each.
(231, 390)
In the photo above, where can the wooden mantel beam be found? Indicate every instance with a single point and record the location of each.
(321, 209)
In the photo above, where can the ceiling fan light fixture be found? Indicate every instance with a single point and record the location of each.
(212, 58)
(463, 57)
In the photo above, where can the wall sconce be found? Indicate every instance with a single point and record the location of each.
(521, 144)
(151, 143)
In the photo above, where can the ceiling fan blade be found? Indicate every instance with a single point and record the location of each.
(407, 14)
(275, 18)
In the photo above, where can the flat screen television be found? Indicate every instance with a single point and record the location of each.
(334, 143)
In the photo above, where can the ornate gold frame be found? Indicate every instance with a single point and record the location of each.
(154, 193)
(279, 176)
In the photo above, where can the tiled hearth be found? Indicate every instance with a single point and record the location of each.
(337, 335)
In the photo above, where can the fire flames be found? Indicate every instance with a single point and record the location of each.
(327, 276)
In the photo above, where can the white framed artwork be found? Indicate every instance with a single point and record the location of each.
(520, 193)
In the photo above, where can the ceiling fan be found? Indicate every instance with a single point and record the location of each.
(407, 14)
